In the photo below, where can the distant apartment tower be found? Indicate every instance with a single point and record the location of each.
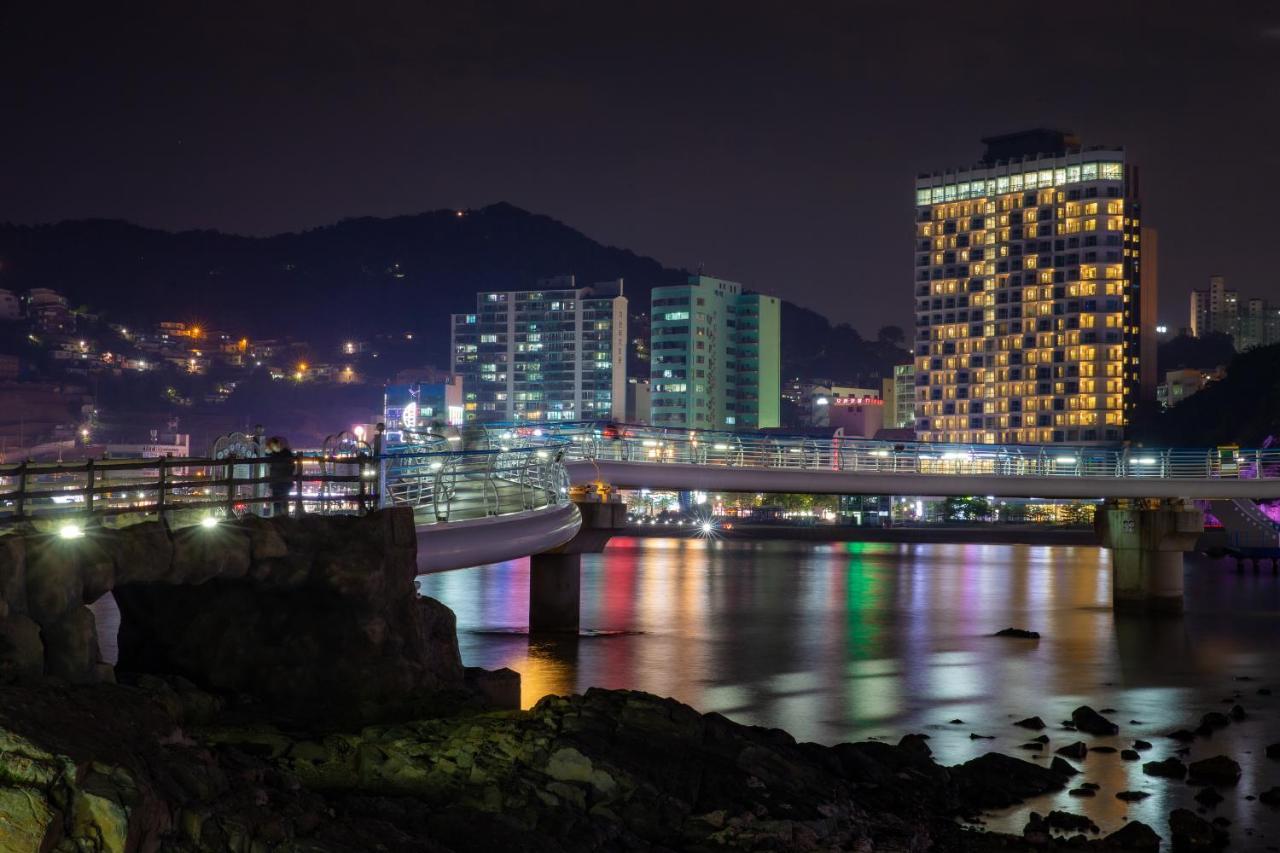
(1215, 309)
(899, 394)
(714, 356)
(1218, 310)
(557, 353)
(1035, 302)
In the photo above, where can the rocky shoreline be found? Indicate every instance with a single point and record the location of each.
(162, 765)
(280, 687)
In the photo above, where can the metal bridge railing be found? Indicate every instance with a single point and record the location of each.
(440, 484)
(181, 488)
(630, 443)
(465, 484)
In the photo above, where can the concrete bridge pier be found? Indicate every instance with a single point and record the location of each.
(555, 577)
(1147, 540)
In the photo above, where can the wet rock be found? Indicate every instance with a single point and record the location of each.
(1136, 723)
(1036, 831)
(957, 722)
(1236, 713)
(1141, 745)
(1182, 735)
(1041, 739)
(1063, 767)
(1075, 750)
(1092, 786)
(1218, 770)
(1106, 750)
(1215, 720)
(1273, 750)
(994, 780)
(1068, 822)
(1132, 796)
(1129, 754)
(1208, 797)
(1188, 831)
(1082, 792)
(1091, 722)
(1034, 723)
(1134, 835)
(1018, 633)
(1106, 710)
(916, 745)
(26, 816)
(1170, 768)
(1032, 746)
(973, 736)
(1270, 796)
(499, 688)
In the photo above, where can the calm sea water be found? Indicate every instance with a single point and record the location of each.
(852, 641)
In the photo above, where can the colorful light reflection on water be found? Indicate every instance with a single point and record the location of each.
(856, 640)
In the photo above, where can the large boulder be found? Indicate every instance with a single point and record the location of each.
(21, 648)
(332, 626)
(71, 647)
(141, 553)
(13, 575)
(54, 584)
(201, 554)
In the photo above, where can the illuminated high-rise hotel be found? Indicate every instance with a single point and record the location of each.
(1035, 294)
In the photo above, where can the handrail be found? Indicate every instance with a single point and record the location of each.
(659, 445)
(446, 484)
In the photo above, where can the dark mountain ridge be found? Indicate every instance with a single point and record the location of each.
(365, 276)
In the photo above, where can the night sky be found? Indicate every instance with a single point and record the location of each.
(773, 143)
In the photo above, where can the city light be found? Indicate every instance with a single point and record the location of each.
(71, 531)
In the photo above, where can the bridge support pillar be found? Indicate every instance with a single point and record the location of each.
(1147, 541)
(555, 577)
(555, 592)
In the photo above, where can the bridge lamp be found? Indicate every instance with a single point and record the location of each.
(719, 447)
(436, 466)
(706, 527)
(1145, 460)
(71, 531)
(208, 522)
(1065, 460)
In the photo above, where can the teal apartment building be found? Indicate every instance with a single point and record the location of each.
(714, 356)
